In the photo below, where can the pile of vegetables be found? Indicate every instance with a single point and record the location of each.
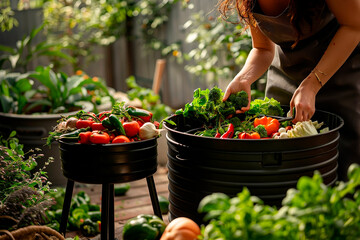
(222, 120)
(122, 124)
(83, 216)
(311, 211)
(151, 227)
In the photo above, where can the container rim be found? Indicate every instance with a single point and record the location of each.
(108, 145)
(341, 123)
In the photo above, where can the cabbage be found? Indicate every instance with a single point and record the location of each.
(302, 129)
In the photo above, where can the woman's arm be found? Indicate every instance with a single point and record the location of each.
(347, 12)
(258, 61)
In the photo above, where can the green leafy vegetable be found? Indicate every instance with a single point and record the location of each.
(311, 211)
(266, 106)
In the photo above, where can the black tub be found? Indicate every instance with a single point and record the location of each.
(108, 163)
(199, 166)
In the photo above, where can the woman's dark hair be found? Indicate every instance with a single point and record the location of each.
(299, 11)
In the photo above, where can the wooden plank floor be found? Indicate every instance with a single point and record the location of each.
(136, 201)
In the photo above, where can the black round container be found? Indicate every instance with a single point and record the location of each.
(108, 163)
(199, 166)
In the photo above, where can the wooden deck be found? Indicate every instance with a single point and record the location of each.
(136, 201)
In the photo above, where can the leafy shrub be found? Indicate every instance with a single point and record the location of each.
(22, 193)
(311, 211)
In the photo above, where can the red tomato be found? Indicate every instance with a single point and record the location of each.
(255, 135)
(131, 128)
(99, 137)
(84, 123)
(104, 114)
(121, 139)
(84, 137)
(97, 126)
(140, 122)
(112, 136)
(146, 118)
(244, 135)
(275, 134)
(288, 128)
(157, 124)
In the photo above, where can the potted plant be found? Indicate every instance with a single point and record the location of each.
(32, 102)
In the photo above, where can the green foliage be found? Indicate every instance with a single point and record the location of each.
(54, 92)
(22, 189)
(212, 111)
(149, 100)
(15, 167)
(151, 16)
(219, 48)
(7, 20)
(311, 211)
(83, 215)
(79, 26)
(267, 106)
(25, 51)
(15, 91)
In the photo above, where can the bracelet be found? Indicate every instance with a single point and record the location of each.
(320, 72)
(317, 77)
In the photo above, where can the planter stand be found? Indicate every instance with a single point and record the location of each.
(107, 164)
(107, 207)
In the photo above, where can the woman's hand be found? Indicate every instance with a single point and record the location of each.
(237, 85)
(303, 99)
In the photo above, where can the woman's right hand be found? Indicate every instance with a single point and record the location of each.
(237, 85)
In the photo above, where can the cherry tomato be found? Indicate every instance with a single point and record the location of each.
(288, 128)
(121, 139)
(244, 135)
(112, 136)
(84, 123)
(140, 122)
(255, 135)
(97, 126)
(99, 137)
(275, 134)
(131, 128)
(84, 137)
(104, 114)
(157, 124)
(146, 118)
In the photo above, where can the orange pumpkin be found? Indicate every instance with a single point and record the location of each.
(181, 228)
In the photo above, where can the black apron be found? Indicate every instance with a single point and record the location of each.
(340, 95)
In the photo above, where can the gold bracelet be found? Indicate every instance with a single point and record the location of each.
(320, 71)
(317, 77)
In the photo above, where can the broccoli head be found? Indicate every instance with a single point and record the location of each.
(235, 121)
(261, 130)
(226, 111)
(275, 110)
(215, 95)
(239, 99)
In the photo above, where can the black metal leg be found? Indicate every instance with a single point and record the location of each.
(66, 206)
(154, 196)
(105, 211)
(111, 212)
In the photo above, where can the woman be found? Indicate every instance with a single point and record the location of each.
(312, 53)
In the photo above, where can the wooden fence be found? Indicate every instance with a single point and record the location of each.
(125, 58)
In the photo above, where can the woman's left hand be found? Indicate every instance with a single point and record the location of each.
(303, 99)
